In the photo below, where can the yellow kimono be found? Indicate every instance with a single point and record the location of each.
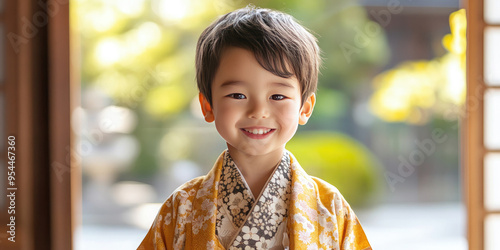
(293, 211)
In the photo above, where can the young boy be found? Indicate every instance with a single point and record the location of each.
(257, 72)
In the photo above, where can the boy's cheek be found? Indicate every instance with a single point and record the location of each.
(224, 111)
(289, 113)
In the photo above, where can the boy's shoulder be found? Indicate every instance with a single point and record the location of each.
(191, 184)
(201, 186)
(324, 185)
(331, 196)
(321, 185)
(323, 188)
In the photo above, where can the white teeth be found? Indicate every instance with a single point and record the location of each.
(258, 131)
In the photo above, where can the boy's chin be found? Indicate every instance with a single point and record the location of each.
(254, 151)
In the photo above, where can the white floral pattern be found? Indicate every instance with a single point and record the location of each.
(254, 223)
(315, 216)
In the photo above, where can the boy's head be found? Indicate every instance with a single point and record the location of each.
(257, 72)
(280, 45)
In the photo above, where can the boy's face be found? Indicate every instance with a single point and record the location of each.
(255, 111)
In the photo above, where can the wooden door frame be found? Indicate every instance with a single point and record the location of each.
(62, 92)
(38, 93)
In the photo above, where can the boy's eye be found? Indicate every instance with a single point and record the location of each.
(237, 96)
(277, 97)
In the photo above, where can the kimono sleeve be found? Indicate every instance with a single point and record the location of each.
(349, 233)
(158, 236)
(352, 235)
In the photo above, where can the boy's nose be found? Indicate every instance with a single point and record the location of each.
(258, 110)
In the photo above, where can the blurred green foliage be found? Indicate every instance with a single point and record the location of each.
(341, 161)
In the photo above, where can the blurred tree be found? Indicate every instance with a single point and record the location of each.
(414, 91)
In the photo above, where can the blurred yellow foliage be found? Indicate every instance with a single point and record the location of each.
(414, 91)
(165, 100)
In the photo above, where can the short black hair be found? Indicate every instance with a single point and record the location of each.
(280, 44)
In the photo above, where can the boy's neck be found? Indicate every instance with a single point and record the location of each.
(256, 169)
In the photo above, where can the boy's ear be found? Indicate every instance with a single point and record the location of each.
(206, 108)
(307, 109)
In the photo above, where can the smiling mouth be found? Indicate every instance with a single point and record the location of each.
(258, 131)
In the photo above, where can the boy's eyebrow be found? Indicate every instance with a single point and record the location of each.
(231, 82)
(283, 84)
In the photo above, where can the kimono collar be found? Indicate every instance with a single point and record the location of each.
(230, 170)
(302, 205)
(245, 220)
